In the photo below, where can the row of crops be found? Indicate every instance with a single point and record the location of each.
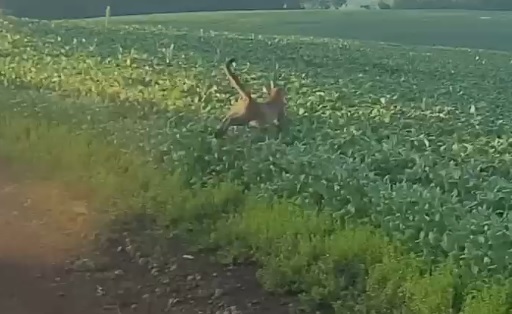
(415, 141)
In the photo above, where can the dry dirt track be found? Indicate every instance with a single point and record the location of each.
(45, 235)
(38, 235)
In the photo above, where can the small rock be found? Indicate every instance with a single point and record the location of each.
(104, 275)
(119, 272)
(100, 291)
(102, 264)
(130, 250)
(186, 256)
(110, 307)
(217, 293)
(192, 285)
(171, 303)
(142, 261)
(83, 265)
(128, 285)
(95, 235)
(79, 207)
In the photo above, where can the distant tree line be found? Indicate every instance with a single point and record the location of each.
(453, 4)
(61, 9)
(414, 4)
(323, 4)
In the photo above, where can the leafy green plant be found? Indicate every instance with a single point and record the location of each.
(488, 299)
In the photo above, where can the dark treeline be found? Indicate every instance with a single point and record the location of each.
(454, 4)
(61, 9)
(415, 4)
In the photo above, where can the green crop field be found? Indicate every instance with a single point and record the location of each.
(411, 143)
(451, 28)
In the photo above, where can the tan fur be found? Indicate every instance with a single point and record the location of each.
(247, 110)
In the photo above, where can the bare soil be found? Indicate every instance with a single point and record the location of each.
(54, 259)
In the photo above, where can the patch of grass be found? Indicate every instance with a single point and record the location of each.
(488, 299)
(450, 28)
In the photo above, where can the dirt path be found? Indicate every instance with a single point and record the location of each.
(49, 264)
(41, 229)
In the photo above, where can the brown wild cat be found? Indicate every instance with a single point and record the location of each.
(246, 110)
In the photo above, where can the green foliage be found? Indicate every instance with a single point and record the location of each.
(306, 251)
(370, 152)
(488, 300)
(430, 294)
(386, 281)
(424, 162)
(344, 269)
(311, 254)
